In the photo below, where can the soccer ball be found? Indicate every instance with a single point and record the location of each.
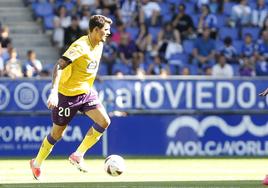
(114, 165)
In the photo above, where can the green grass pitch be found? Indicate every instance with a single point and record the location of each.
(140, 173)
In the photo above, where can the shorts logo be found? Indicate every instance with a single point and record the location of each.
(92, 103)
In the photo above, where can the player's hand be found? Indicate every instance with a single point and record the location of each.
(53, 99)
(264, 93)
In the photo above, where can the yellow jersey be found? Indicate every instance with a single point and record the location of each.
(78, 77)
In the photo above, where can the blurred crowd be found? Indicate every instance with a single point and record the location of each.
(12, 66)
(158, 37)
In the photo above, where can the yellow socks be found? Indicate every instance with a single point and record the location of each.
(44, 150)
(93, 135)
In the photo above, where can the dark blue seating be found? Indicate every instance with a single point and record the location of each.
(254, 31)
(188, 46)
(228, 31)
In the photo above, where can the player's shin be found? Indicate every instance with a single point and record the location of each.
(93, 135)
(44, 150)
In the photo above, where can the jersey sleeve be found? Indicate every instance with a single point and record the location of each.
(74, 52)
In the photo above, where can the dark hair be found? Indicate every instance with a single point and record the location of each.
(29, 52)
(98, 21)
(228, 40)
(181, 5)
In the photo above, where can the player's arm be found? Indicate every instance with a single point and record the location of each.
(57, 71)
(264, 93)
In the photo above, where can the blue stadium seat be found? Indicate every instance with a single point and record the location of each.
(154, 32)
(133, 31)
(103, 69)
(221, 20)
(195, 18)
(190, 8)
(219, 45)
(193, 69)
(176, 2)
(254, 31)
(188, 46)
(236, 68)
(178, 59)
(166, 18)
(43, 9)
(164, 8)
(48, 22)
(238, 45)
(227, 8)
(227, 31)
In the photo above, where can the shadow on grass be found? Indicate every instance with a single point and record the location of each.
(155, 184)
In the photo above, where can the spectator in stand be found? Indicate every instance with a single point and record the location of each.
(222, 69)
(241, 14)
(246, 67)
(62, 15)
(229, 51)
(204, 51)
(261, 55)
(149, 12)
(13, 66)
(91, 4)
(109, 55)
(259, 14)
(69, 5)
(169, 41)
(248, 47)
(265, 25)
(183, 23)
(207, 20)
(120, 30)
(58, 34)
(111, 5)
(185, 71)
(158, 67)
(216, 6)
(208, 71)
(138, 65)
(200, 3)
(129, 12)
(127, 50)
(84, 19)
(5, 40)
(73, 32)
(32, 67)
(144, 39)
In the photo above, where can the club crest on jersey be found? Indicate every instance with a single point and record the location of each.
(92, 65)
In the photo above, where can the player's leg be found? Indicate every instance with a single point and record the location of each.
(61, 116)
(102, 121)
(48, 143)
(265, 180)
(45, 149)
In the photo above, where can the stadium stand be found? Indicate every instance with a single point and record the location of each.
(26, 34)
(55, 16)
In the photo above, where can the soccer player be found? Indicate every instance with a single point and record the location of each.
(73, 77)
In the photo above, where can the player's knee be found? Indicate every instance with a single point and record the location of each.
(56, 135)
(105, 122)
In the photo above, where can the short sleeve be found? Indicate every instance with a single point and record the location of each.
(74, 52)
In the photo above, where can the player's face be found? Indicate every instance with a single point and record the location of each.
(104, 32)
